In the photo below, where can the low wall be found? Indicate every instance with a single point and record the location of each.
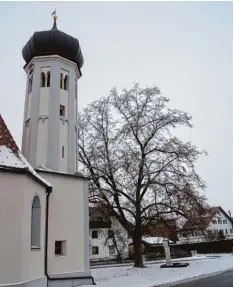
(219, 246)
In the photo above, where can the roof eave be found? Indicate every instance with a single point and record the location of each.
(28, 172)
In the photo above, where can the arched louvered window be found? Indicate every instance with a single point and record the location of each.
(65, 82)
(42, 79)
(36, 223)
(48, 79)
(61, 81)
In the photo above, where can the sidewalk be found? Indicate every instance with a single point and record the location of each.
(154, 276)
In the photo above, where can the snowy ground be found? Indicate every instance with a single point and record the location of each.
(153, 275)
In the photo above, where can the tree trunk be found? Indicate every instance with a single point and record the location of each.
(119, 256)
(137, 248)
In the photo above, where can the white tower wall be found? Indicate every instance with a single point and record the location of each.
(50, 115)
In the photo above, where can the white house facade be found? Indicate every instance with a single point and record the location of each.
(108, 238)
(216, 220)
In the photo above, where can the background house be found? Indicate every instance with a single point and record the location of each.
(108, 238)
(207, 226)
(162, 227)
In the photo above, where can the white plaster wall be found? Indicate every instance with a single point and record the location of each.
(44, 101)
(32, 261)
(42, 142)
(66, 222)
(26, 142)
(63, 135)
(17, 262)
(11, 203)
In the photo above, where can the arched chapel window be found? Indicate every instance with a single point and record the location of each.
(36, 223)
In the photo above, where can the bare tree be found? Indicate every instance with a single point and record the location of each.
(210, 235)
(119, 240)
(137, 168)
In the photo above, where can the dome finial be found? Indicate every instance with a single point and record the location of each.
(55, 18)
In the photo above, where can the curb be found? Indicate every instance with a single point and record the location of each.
(149, 262)
(192, 278)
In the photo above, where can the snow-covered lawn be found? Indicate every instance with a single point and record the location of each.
(153, 275)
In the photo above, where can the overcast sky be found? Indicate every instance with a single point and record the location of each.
(185, 48)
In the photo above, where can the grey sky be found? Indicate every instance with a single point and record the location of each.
(185, 48)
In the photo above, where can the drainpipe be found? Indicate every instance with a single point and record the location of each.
(49, 191)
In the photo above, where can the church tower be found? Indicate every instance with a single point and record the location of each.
(53, 62)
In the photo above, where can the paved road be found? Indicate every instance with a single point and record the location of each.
(221, 280)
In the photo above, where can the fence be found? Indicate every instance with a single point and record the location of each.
(177, 251)
(219, 246)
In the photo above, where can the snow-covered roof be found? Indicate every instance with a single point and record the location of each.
(9, 159)
(153, 240)
(42, 168)
(10, 155)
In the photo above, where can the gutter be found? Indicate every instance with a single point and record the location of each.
(49, 191)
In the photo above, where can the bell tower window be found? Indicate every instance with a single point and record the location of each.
(29, 86)
(62, 111)
(61, 81)
(43, 79)
(48, 80)
(65, 82)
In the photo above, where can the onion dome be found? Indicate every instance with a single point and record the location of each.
(53, 42)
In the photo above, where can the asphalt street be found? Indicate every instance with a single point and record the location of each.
(222, 280)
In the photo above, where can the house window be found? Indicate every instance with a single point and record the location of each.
(59, 248)
(110, 233)
(36, 224)
(62, 151)
(94, 234)
(231, 231)
(62, 111)
(214, 221)
(95, 250)
(226, 231)
(225, 221)
(219, 221)
(111, 249)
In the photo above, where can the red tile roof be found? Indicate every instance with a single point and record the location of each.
(6, 138)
